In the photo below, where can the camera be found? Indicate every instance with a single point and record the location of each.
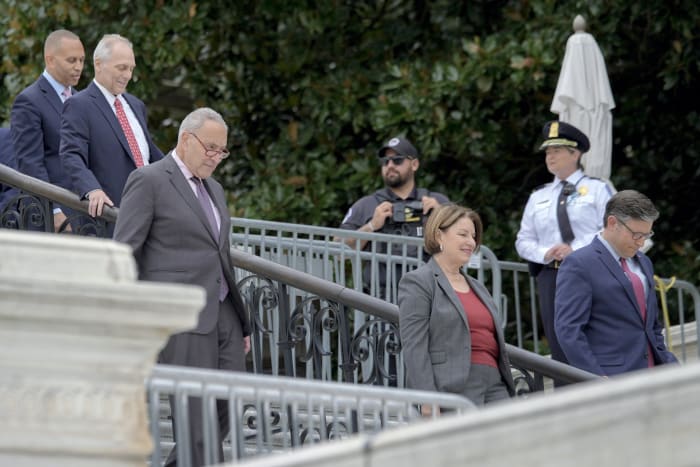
(407, 212)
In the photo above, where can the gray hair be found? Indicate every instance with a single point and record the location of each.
(196, 119)
(54, 39)
(630, 204)
(104, 48)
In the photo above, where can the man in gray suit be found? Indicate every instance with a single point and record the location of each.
(174, 217)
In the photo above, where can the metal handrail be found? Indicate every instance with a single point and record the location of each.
(58, 195)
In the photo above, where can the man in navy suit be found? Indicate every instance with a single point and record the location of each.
(104, 135)
(605, 312)
(7, 157)
(36, 113)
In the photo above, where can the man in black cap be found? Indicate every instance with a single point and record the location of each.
(399, 209)
(560, 217)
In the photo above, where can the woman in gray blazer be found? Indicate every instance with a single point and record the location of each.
(451, 335)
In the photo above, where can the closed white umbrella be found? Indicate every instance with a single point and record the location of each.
(584, 98)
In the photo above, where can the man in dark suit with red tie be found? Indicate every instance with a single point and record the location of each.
(174, 217)
(605, 311)
(104, 135)
(36, 113)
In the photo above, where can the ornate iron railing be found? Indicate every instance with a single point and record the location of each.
(32, 208)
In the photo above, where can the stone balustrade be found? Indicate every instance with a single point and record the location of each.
(78, 337)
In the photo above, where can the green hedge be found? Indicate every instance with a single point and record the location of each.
(311, 89)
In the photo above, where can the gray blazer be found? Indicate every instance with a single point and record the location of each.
(162, 221)
(435, 334)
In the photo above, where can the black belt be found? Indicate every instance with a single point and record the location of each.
(553, 265)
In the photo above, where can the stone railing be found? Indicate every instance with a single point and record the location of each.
(78, 337)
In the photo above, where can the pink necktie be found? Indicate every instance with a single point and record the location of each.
(205, 202)
(130, 138)
(66, 94)
(641, 299)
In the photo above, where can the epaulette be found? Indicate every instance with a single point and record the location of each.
(540, 187)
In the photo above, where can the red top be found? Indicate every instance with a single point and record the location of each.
(481, 328)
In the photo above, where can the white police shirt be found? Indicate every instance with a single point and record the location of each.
(539, 229)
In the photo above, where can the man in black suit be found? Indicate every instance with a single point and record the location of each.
(36, 113)
(174, 217)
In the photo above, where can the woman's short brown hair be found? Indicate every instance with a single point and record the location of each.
(442, 218)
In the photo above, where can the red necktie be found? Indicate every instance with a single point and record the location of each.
(130, 138)
(641, 299)
(638, 288)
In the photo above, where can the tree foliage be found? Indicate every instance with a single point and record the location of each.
(312, 89)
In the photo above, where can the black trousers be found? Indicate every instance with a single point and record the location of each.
(546, 286)
(221, 349)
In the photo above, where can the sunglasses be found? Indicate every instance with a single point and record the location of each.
(397, 160)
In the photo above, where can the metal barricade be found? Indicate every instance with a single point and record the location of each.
(678, 330)
(274, 414)
(322, 252)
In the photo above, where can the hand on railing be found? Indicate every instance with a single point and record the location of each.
(98, 199)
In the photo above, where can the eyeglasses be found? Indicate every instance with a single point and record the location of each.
(636, 236)
(223, 153)
(397, 160)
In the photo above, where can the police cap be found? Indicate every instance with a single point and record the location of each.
(556, 133)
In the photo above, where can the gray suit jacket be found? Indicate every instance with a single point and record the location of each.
(435, 334)
(162, 221)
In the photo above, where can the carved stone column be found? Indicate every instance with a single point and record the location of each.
(78, 336)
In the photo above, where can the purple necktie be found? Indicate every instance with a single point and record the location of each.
(641, 299)
(205, 203)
